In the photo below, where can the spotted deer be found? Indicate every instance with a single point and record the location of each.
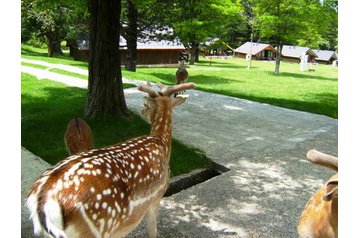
(106, 192)
(78, 136)
(181, 75)
(319, 218)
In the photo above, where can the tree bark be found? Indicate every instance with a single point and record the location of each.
(132, 35)
(53, 44)
(194, 53)
(278, 57)
(105, 88)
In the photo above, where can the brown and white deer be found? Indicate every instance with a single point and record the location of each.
(78, 136)
(106, 192)
(319, 218)
(181, 75)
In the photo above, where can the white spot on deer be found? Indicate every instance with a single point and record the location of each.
(92, 190)
(99, 196)
(104, 205)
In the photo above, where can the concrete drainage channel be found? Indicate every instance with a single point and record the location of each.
(195, 177)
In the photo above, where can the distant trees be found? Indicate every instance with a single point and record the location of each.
(287, 22)
(195, 21)
(304, 22)
(50, 22)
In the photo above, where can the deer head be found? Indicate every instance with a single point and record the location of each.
(162, 99)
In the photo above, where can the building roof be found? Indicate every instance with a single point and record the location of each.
(142, 43)
(325, 55)
(153, 44)
(296, 51)
(256, 48)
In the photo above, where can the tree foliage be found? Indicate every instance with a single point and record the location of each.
(195, 21)
(288, 22)
(51, 22)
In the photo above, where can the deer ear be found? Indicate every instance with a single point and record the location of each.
(180, 99)
(331, 189)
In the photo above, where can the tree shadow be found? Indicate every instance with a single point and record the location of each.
(44, 120)
(32, 53)
(324, 103)
(263, 197)
(302, 76)
(199, 79)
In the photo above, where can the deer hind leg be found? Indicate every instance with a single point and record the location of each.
(151, 218)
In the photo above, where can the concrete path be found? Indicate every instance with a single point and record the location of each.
(269, 180)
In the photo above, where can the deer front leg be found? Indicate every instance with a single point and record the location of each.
(151, 218)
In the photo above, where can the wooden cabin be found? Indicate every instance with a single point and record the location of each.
(149, 52)
(294, 53)
(259, 51)
(325, 56)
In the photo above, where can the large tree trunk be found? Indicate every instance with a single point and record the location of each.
(105, 87)
(132, 35)
(194, 53)
(53, 44)
(278, 57)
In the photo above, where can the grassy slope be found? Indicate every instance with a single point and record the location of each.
(47, 107)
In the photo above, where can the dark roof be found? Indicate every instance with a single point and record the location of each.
(296, 51)
(256, 48)
(142, 43)
(153, 44)
(325, 55)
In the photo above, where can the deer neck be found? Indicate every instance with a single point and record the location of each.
(334, 212)
(162, 124)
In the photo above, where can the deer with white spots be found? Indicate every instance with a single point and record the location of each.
(106, 192)
(319, 218)
(78, 136)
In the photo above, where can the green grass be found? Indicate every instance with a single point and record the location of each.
(34, 65)
(64, 72)
(29, 52)
(315, 92)
(47, 107)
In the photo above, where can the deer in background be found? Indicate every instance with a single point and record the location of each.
(181, 74)
(106, 192)
(320, 216)
(78, 136)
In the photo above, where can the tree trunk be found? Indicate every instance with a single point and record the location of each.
(194, 53)
(197, 54)
(105, 88)
(278, 57)
(53, 44)
(131, 34)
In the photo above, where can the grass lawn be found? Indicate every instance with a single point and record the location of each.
(47, 107)
(313, 91)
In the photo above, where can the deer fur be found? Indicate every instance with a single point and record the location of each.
(78, 137)
(319, 218)
(106, 192)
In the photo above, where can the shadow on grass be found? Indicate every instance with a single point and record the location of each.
(47, 107)
(324, 103)
(32, 53)
(199, 79)
(302, 76)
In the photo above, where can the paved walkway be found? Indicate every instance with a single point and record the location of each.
(264, 147)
